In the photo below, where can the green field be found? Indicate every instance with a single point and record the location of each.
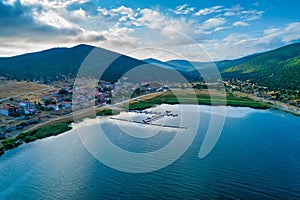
(107, 112)
(201, 99)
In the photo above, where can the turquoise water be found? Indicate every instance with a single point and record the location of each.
(256, 157)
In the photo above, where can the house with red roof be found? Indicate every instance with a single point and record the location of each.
(7, 110)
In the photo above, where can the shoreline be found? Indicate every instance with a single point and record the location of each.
(61, 125)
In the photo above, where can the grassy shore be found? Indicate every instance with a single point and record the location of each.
(200, 98)
(39, 133)
(47, 130)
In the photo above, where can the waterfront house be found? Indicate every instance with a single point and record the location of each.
(7, 110)
(25, 104)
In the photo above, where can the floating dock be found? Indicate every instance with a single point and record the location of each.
(153, 124)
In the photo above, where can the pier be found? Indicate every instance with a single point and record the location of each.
(153, 124)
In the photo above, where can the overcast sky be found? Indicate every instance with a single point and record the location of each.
(151, 28)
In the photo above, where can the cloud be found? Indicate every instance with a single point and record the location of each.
(53, 19)
(213, 23)
(237, 44)
(18, 20)
(247, 15)
(240, 23)
(34, 25)
(9, 2)
(229, 14)
(123, 10)
(184, 9)
(79, 14)
(250, 15)
(207, 11)
(284, 35)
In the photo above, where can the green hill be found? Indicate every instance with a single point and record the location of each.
(276, 69)
(45, 65)
(53, 64)
(57, 63)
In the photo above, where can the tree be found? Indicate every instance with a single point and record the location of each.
(63, 91)
(47, 102)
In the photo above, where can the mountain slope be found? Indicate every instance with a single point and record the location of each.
(276, 69)
(45, 65)
(54, 63)
(279, 68)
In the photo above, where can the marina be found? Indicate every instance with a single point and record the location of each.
(156, 116)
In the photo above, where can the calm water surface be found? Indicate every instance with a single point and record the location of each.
(256, 157)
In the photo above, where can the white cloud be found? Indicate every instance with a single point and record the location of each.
(120, 29)
(9, 2)
(103, 11)
(213, 23)
(240, 23)
(53, 19)
(79, 14)
(247, 15)
(207, 11)
(154, 19)
(123, 10)
(250, 15)
(184, 9)
(238, 45)
(285, 35)
(229, 14)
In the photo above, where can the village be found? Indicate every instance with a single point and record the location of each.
(18, 114)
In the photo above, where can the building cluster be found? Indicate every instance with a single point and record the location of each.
(21, 108)
(17, 113)
(48, 102)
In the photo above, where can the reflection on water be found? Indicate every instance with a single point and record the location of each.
(257, 156)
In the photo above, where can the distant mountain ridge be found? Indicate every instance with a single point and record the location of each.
(279, 68)
(276, 69)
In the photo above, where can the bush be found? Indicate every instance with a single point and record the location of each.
(107, 112)
(21, 136)
(29, 138)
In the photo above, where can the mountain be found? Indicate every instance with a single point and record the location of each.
(54, 64)
(182, 66)
(276, 69)
(179, 65)
(185, 65)
(44, 65)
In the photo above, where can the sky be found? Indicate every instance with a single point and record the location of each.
(198, 30)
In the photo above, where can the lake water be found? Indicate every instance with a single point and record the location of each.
(257, 156)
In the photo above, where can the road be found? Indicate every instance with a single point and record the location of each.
(94, 108)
